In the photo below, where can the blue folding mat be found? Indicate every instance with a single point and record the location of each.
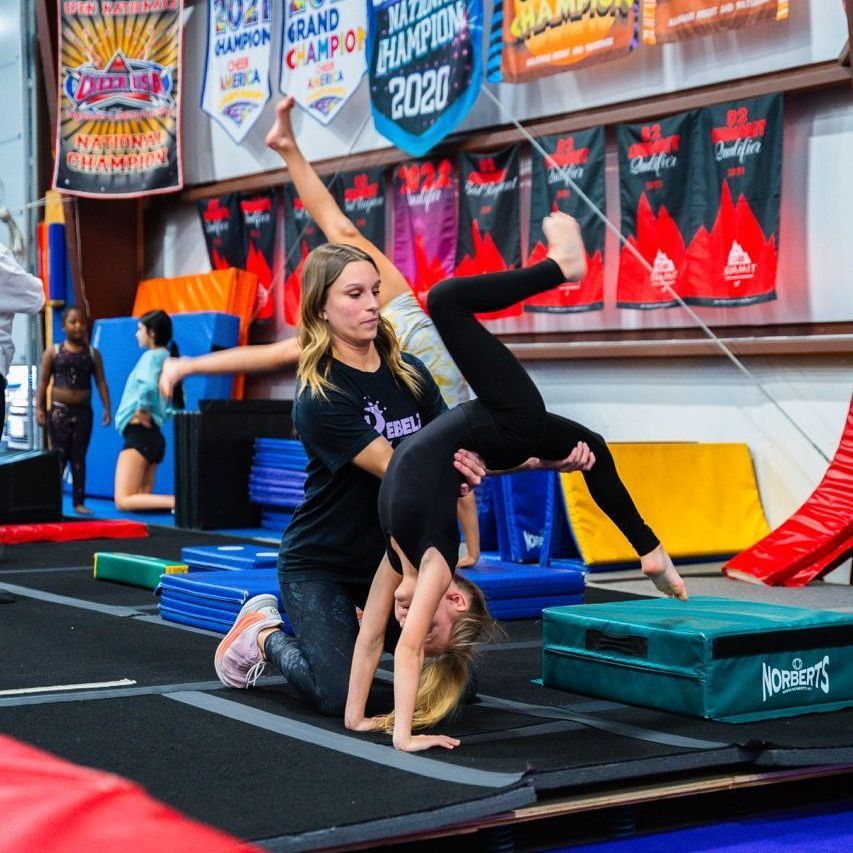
(277, 479)
(212, 599)
(195, 333)
(523, 591)
(229, 557)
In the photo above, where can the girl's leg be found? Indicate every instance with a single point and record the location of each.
(148, 479)
(80, 435)
(59, 432)
(131, 470)
(316, 663)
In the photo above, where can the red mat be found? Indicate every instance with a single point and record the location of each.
(816, 538)
(51, 805)
(71, 531)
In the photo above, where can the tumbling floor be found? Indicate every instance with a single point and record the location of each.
(259, 765)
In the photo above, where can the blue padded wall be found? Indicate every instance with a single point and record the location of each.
(195, 333)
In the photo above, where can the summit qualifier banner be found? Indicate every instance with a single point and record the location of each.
(119, 121)
(732, 260)
(530, 39)
(322, 54)
(672, 20)
(237, 70)
(425, 67)
(578, 157)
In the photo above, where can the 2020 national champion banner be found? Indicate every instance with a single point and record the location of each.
(118, 119)
(425, 67)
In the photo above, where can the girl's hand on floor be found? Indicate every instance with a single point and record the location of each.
(419, 743)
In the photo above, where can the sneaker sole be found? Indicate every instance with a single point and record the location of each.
(253, 605)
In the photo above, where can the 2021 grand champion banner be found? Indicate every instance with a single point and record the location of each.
(237, 67)
(425, 67)
(119, 123)
(322, 53)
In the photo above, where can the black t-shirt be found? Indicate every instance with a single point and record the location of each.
(334, 533)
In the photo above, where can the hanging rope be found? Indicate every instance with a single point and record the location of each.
(634, 251)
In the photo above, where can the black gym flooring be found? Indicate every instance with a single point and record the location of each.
(259, 765)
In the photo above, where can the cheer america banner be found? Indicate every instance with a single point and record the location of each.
(671, 20)
(660, 210)
(301, 235)
(425, 222)
(361, 195)
(237, 69)
(530, 39)
(323, 53)
(489, 233)
(118, 131)
(425, 67)
(732, 259)
(258, 218)
(575, 160)
(223, 231)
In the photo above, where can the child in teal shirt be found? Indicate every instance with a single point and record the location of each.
(141, 413)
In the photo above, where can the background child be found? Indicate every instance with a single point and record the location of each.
(141, 413)
(71, 366)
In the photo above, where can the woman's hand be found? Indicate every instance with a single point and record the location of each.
(419, 743)
(366, 724)
(472, 467)
(106, 417)
(580, 459)
(41, 417)
(170, 375)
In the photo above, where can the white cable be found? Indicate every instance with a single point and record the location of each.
(633, 249)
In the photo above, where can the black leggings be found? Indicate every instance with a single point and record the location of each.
(70, 428)
(506, 424)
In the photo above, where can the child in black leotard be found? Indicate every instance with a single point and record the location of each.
(507, 424)
(71, 365)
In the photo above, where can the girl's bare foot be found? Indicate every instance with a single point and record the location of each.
(565, 244)
(82, 510)
(280, 137)
(657, 566)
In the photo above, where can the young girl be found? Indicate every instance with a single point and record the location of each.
(71, 365)
(141, 413)
(507, 423)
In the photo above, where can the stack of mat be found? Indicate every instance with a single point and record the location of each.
(212, 599)
(277, 480)
(222, 578)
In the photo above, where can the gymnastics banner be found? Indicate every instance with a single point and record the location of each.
(361, 195)
(322, 53)
(301, 235)
(660, 212)
(223, 231)
(733, 257)
(671, 20)
(425, 221)
(577, 157)
(530, 39)
(118, 132)
(236, 82)
(489, 234)
(257, 217)
(425, 67)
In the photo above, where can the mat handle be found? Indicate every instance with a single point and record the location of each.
(632, 646)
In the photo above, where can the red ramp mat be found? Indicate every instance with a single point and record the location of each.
(53, 805)
(71, 531)
(816, 538)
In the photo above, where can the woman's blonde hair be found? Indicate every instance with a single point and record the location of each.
(322, 268)
(444, 677)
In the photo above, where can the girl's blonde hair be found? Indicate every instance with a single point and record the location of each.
(444, 677)
(322, 268)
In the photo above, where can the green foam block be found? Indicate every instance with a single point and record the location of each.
(134, 569)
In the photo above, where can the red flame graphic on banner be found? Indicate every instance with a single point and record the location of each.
(660, 242)
(428, 271)
(734, 261)
(257, 263)
(486, 258)
(293, 290)
(219, 263)
(589, 291)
